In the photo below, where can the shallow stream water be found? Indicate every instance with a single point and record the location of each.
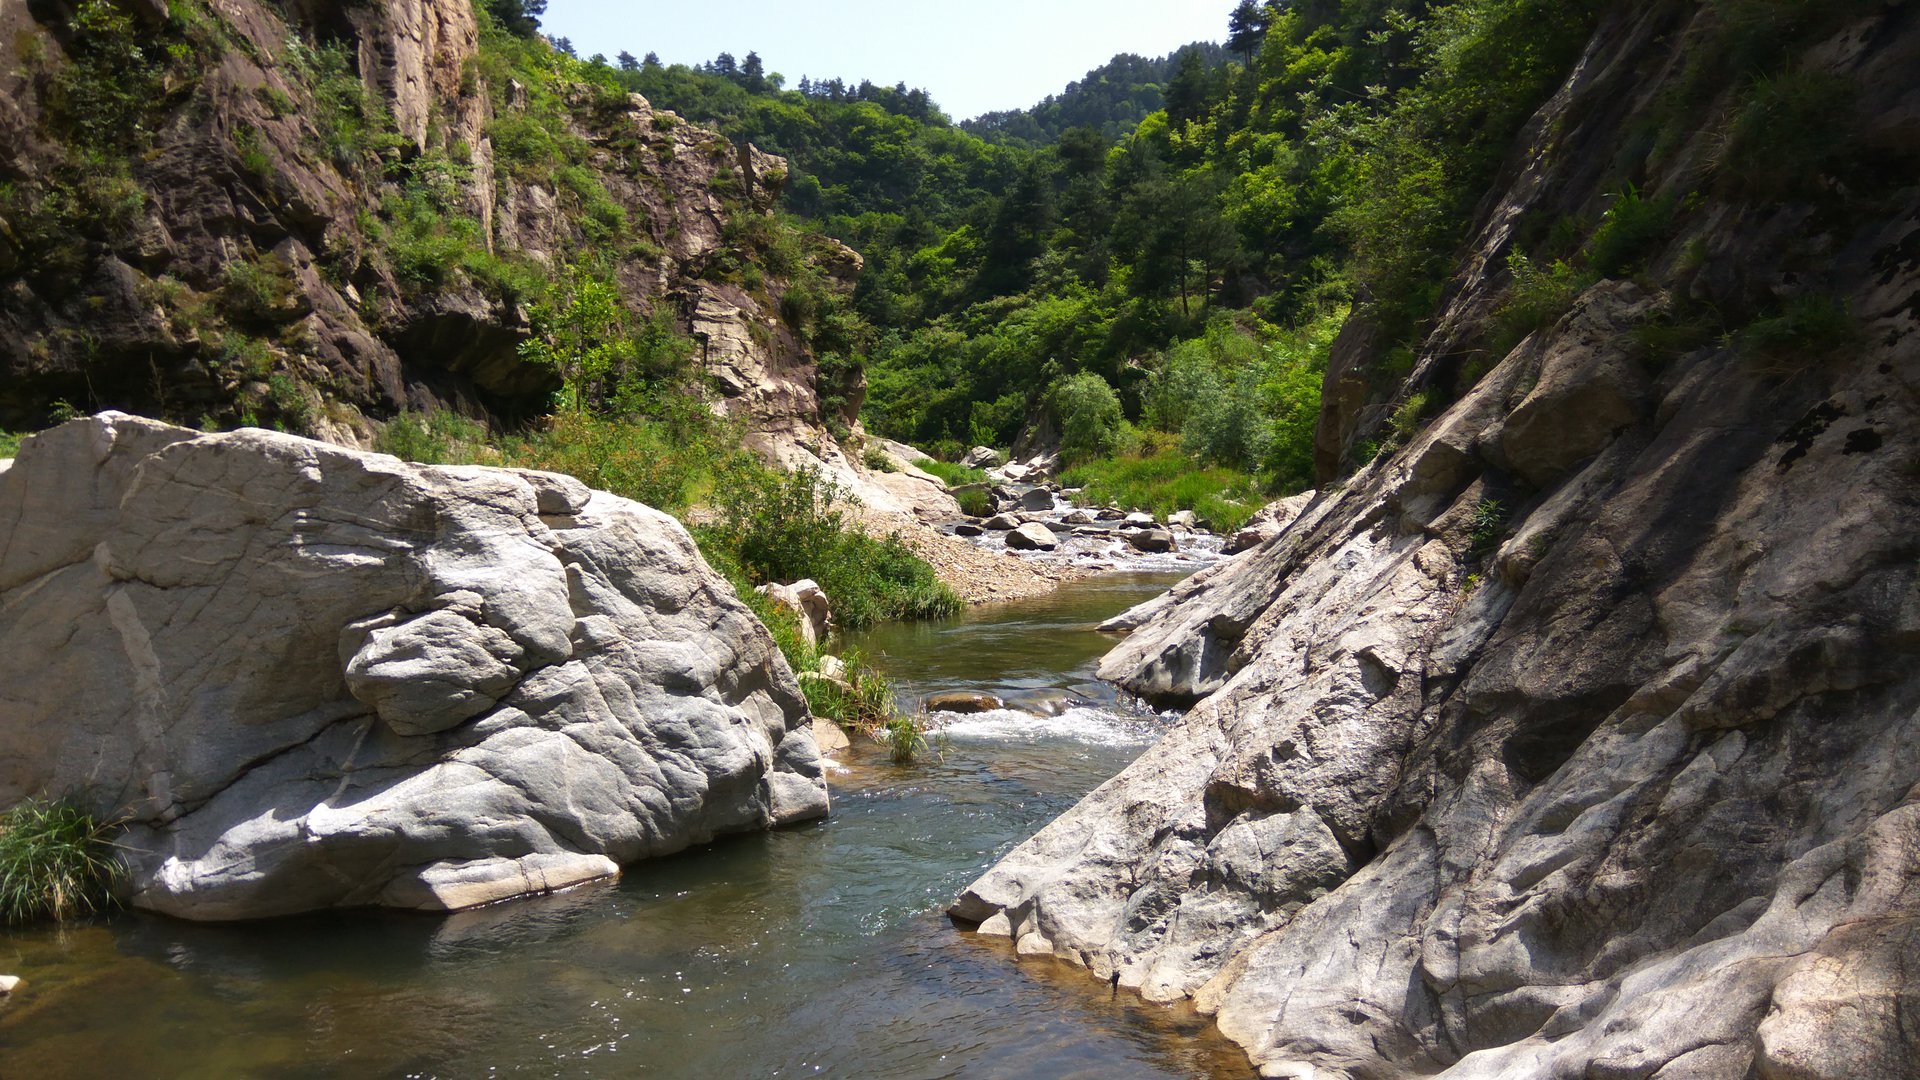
(814, 951)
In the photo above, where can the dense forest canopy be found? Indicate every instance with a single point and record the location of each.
(1196, 258)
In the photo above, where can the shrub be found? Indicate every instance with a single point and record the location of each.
(10, 444)
(1536, 299)
(1629, 232)
(1230, 428)
(435, 438)
(877, 459)
(56, 862)
(1089, 415)
(1484, 527)
(1809, 328)
(786, 526)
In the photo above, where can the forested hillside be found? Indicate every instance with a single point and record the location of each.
(1112, 99)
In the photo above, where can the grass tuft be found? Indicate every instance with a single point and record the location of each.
(56, 862)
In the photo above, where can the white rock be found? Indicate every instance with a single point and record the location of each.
(809, 602)
(1033, 537)
(9, 983)
(316, 677)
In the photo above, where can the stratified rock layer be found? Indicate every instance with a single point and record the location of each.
(314, 677)
(1579, 737)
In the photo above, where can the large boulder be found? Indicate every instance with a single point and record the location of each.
(311, 677)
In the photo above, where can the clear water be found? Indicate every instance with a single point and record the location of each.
(816, 951)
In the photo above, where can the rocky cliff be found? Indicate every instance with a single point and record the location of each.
(313, 213)
(313, 677)
(1577, 733)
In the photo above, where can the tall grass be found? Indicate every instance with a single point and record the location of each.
(905, 738)
(56, 862)
(1165, 481)
(951, 473)
(10, 444)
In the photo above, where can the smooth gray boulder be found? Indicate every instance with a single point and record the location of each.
(312, 677)
(1033, 536)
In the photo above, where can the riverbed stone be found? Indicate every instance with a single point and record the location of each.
(962, 701)
(313, 677)
(1036, 499)
(1150, 540)
(8, 984)
(1033, 536)
(1003, 522)
(968, 528)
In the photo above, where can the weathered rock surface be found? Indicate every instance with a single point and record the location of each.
(1270, 521)
(1150, 539)
(809, 604)
(314, 677)
(1579, 738)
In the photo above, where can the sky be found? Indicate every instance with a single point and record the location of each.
(972, 57)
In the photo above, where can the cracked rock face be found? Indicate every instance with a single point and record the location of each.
(1580, 737)
(313, 677)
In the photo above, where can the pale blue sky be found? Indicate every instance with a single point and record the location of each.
(972, 57)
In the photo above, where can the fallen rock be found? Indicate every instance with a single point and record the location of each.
(962, 701)
(809, 602)
(1036, 499)
(314, 677)
(1033, 536)
(1150, 540)
(981, 457)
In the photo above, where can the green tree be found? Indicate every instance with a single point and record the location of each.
(521, 17)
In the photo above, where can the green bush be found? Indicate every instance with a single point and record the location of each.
(10, 444)
(786, 526)
(1089, 415)
(1488, 522)
(877, 459)
(1630, 231)
(56, 862)
(1809, 328)
(1536, 299)
(436, 438)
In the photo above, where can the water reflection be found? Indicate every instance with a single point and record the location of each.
(815, 951)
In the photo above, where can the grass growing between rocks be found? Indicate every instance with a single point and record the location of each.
(56, 862)
(905, 738)
(1165, 480)
(10, 444)
(951, 473)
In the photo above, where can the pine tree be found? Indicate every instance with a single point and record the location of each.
(724, 64)
(626, 61)
(1247, 27)
(652, 60)
(521, 17)
(753, 74)
(1188, 90)
(565, 45)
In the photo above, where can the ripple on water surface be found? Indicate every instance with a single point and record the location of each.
(813, 951)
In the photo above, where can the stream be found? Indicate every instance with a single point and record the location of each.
(812, 951)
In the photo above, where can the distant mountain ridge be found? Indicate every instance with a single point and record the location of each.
(1112, 99)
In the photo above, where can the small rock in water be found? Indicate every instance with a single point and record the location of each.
(968, 528)
(1003, 522)
(1036, 499)
(962, 701)
(1034, 537)
(8, 983)
(1151, 540)
(1139, 521)
(1079, 517)
(1184, 519)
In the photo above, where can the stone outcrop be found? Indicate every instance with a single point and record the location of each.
(311, 677)
(1580, 735)
(238, 178)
